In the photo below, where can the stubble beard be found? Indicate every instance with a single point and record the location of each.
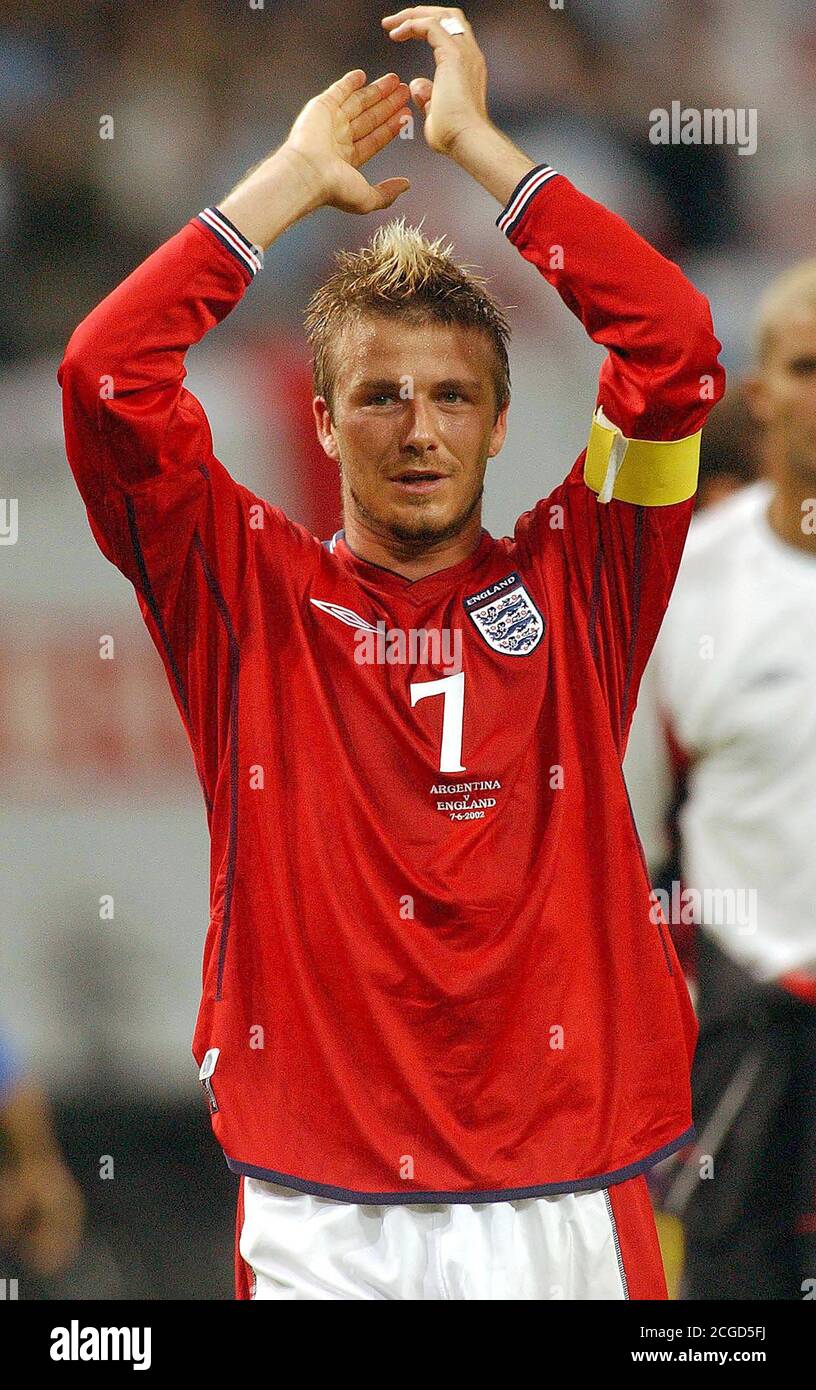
(420, 535)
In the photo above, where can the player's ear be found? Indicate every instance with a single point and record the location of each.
(499, 432)
(323, 424)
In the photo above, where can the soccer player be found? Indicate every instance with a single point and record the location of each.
(440, 1036)
(735, 672)
(655, 771)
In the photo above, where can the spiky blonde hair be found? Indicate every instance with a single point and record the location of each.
(403, 275)
(794, 289)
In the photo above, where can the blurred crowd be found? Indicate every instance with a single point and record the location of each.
(119, 121)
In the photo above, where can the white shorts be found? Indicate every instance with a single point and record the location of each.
(300, 1246)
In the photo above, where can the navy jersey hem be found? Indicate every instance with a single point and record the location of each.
(508, 1194)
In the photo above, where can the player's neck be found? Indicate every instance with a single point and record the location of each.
(792, 512)
(412, 560)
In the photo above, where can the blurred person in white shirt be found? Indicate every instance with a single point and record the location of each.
(735, 679)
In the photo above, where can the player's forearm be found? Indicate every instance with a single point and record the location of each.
(136, 339)
(279, 191)
(139, 334)
(661, 376)
(491, 158)
(127, 416)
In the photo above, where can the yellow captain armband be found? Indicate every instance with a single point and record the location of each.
(647, 472)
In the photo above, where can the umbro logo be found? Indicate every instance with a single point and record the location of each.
(376, 644)
(344, 615)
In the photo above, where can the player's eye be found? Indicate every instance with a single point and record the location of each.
(803, 366)
(378, 397)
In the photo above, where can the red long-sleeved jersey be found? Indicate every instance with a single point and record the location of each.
(432, 968)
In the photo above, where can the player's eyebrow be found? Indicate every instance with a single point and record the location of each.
(385, 383)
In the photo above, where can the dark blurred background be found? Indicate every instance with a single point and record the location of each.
(99, 793)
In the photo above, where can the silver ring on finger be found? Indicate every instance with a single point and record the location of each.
(452, 25)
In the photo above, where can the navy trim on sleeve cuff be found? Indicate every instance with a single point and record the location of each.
(250, 256)
(519, 200)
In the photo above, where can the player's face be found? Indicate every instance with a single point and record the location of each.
(413, 427)
(784, 394)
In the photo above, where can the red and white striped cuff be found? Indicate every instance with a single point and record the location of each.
(522, 195)
(245, 251)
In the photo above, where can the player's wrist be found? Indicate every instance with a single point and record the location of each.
(308, 172)
(465, 144)
(491, 158)
(279, 191)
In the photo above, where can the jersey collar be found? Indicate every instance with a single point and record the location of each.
(415, 590)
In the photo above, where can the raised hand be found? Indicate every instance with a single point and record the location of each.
(342, 128)
(456, 100)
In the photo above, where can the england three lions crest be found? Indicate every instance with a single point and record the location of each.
(506, 617)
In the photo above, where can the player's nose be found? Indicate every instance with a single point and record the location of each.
(420, 431)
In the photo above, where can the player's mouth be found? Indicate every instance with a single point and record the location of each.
(418, 481)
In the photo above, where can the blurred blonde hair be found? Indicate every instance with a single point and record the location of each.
(791, 290)
(406, 277)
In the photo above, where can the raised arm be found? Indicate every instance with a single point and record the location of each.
(130, 424)
(661, 377)
(607, 542)
(160, 504)
(136, 439)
